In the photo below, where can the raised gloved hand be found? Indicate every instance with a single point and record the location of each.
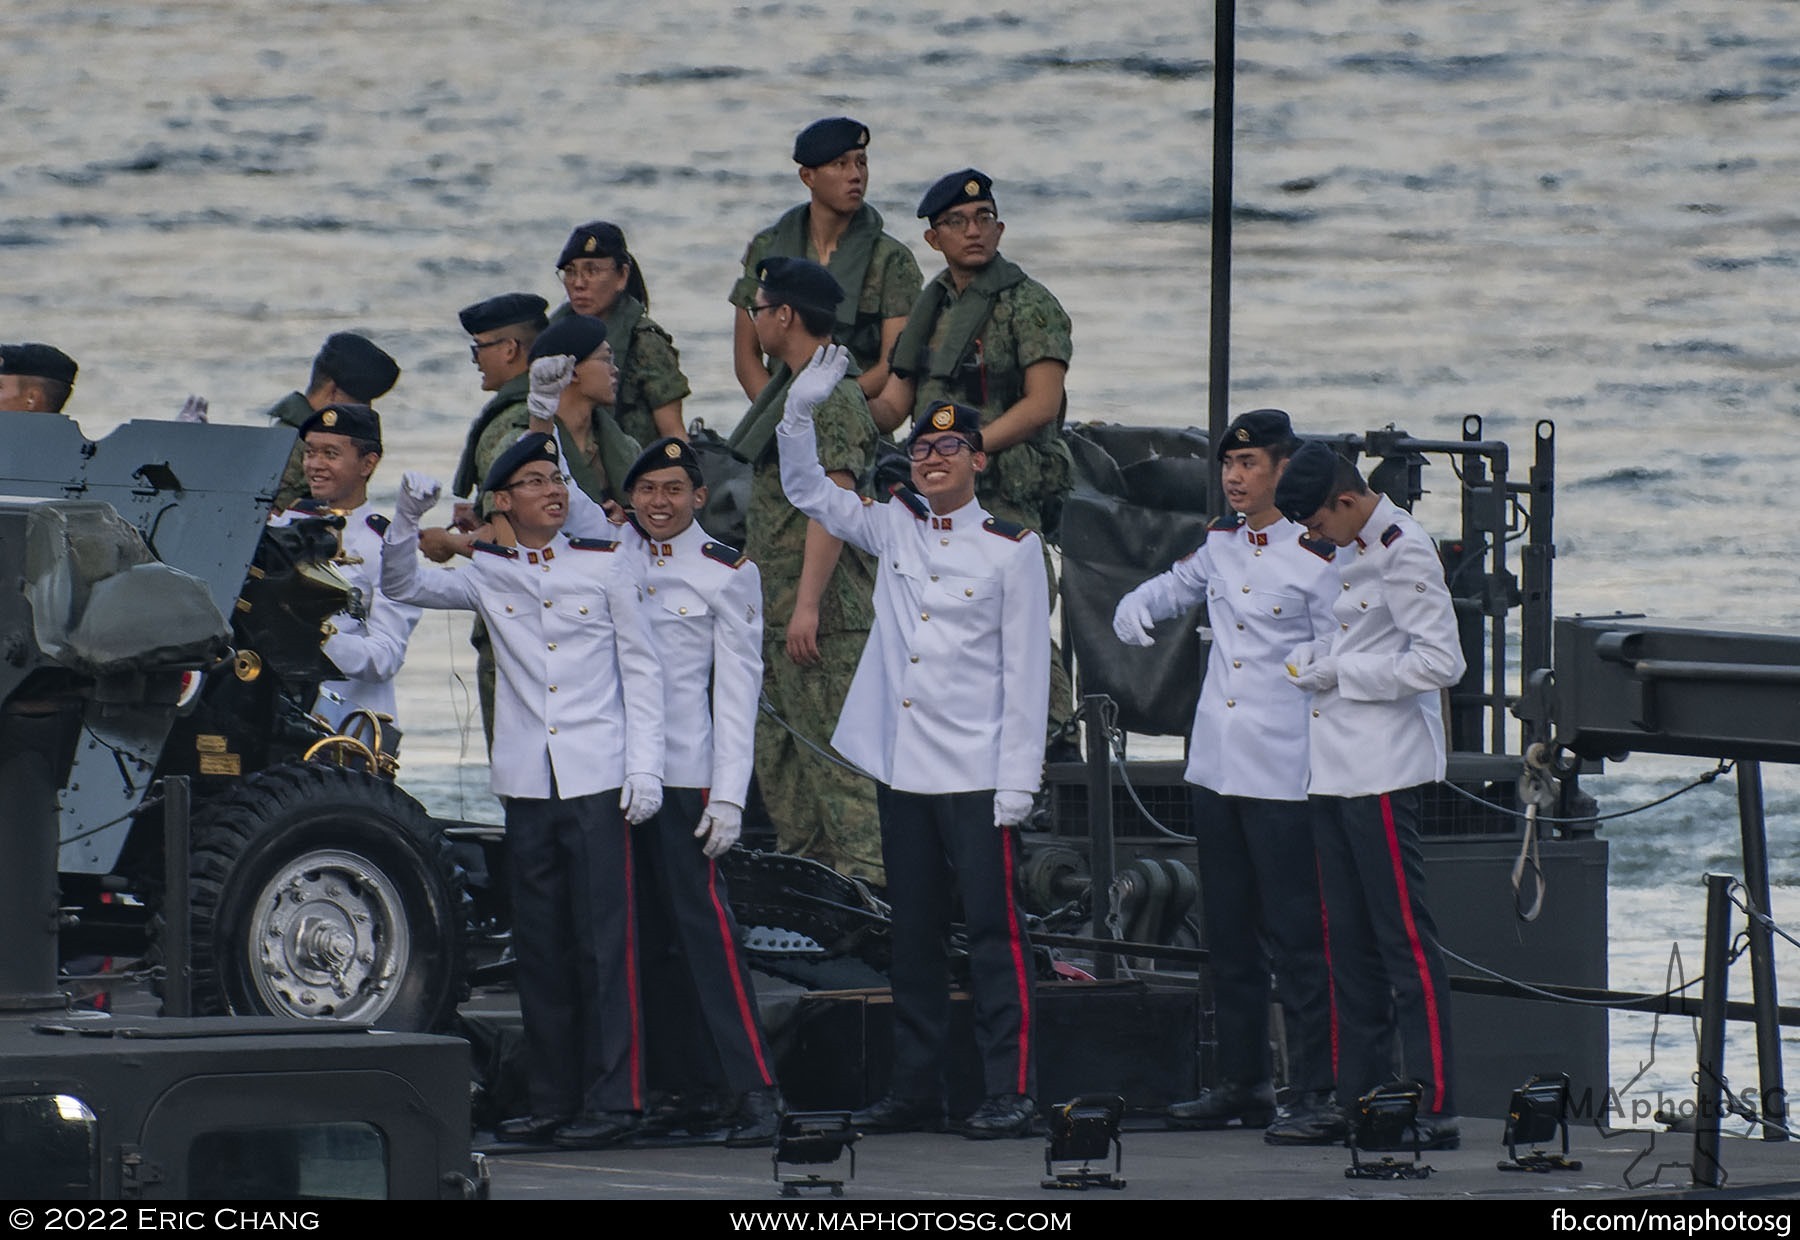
(1311, 671)
(641, 798)
(418, 492)
(721, 823)
(815, 383)
(549, 376)
(1011, 808)
(193, 409)
(1132, 620)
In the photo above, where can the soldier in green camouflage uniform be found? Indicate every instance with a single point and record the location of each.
(985, 334)
(501, 331)
(837, 228)
(602, 279)
(348, 370)
(817, 592)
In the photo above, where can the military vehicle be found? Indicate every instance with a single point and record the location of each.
(320, 889)
(102, 639)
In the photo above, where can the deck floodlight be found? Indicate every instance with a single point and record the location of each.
(1083, 1131)
(1384, 1116)
(1539, 1111)
(814, 1139)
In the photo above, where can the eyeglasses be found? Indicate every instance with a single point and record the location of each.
(949, 445)
(582, 273)
(476, 348)
(753, 311)
(537, 482)
(959, 221)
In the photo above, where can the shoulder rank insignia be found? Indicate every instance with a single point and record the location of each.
(730, 557)
(910, 499)
(1225, 524)
(593, 544)
(1006, 529)
(307, 506)
(378, 523)
(1324, 548)
(505, 553)
(1390, 534)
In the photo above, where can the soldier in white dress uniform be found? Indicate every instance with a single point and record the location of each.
(946, 712)
(1267, 589)
(1377, 738)
(341, 447)
(703, 605)
(578, 751)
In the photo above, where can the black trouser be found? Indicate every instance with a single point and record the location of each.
(687, 924)
(1386, 967)
(574, 932)
(927, 844)
(1259, 885)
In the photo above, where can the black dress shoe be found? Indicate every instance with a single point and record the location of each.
(1435, 1132)
(1225, 1103)
(896, 1114)
(758, 1119)
(529, 1129)
(595, 1130)
(1003, 1115)
(1310, 1119)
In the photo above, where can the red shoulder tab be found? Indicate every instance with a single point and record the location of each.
(730, 557)
(593, 544)
(505, 553)
(1390, 534)
(1006, 529)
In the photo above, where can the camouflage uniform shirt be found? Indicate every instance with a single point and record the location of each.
(888, 292)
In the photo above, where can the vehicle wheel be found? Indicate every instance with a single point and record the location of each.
(322, 892)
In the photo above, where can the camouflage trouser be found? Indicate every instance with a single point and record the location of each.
(1062, 693)
(820, 810)
(484, 677)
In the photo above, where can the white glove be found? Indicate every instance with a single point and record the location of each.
(193, 409)
(418, 492)
(549, 376)
(1011, 808)
(641, 799)
(1132, 620)
(1312, 672)
(815, 383)
(721, 823)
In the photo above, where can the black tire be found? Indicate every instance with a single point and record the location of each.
(322, 892)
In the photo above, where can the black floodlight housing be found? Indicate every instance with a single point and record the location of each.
(1539, 1111)
(814, 1139)
(1083, 1131)
(1384, 1118)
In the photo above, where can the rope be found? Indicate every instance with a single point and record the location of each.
(1724, 768)
(769, 710)
(1551, 996)
(1761, 918)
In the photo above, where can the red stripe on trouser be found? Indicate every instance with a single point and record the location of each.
(1330, 980)
(1418, 952)
(1018, 955)
(745, 1015)
(631, 977)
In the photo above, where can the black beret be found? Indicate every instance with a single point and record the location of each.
(969, 185)
(664, 453)
(576, 336)
(823, 141)
(37, 361)
(595, 240)
(502, 311)
(356, 365)
(356, 421)
(535, 446)
(1305, 485)
(800, 282)
(947, 416)
(1260, 428)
